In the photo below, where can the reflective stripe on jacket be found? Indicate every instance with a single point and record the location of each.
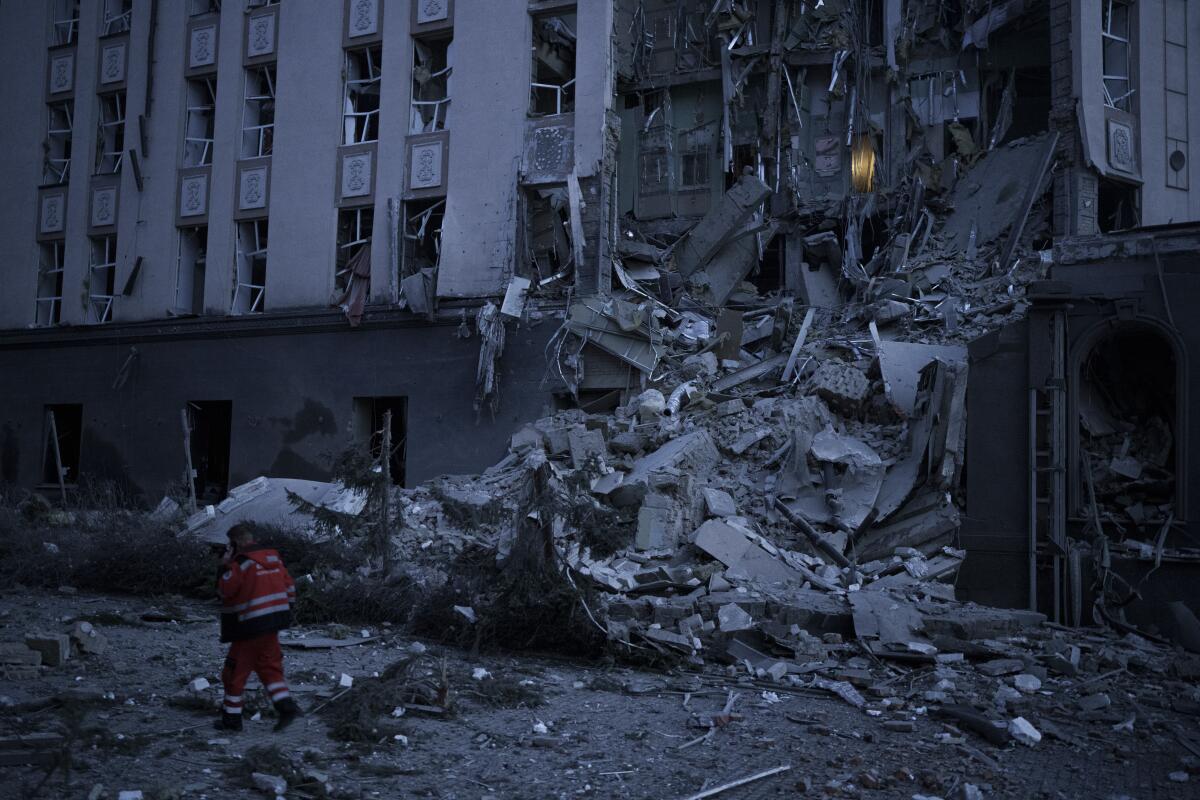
(257, 594)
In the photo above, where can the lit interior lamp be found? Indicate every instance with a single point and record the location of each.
(862, 165)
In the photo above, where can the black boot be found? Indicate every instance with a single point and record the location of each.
(229, 722)
(287, 711)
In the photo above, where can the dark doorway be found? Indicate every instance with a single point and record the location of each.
(64, 425)
(368, 426)
(1128, 428)
(211, 422)
(1119, 206)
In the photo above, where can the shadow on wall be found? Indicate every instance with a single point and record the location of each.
(105, 468)
(10, 455)
(313, 419)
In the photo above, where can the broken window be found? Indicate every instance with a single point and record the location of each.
(258, 112)
(353, 234)
(1118, 206)
(118, 16)
(1117, 29)
(198, 130)
(431, 85)
(548, 231)
(50, 283)
(360, 102)
(110, 133)
(368, 427)
(695, 155)
(553, 85)
(190, 267)
(249, 294)
(57, 148)
(64, 21)
(102, 277)
(64, 435)
(198, 8)
(422, 235)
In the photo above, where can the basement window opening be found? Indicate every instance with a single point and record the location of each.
(63, 440)
(210, 422)
(102, 278)
(191, 264)
(1117, 37)
(50, 283)
(360, 116)
(354, 228)
(431, 72)
(57, 149)
(258, 112)
(1128, 402)
(110, 134)
(64, 21)
(422, 247)
(249, 294)
(368, 426)
(553, 84)
(198, 131)
(118, 16)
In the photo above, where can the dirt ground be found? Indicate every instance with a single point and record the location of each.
(610, 732)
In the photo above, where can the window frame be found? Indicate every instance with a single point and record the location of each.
(264, 133)
(55, 270)
(246, 261)
(1125, 41)
(372, 55)
(106, 270)
(103, 125)
(196, 112)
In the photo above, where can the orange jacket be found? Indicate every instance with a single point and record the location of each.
(257, 594)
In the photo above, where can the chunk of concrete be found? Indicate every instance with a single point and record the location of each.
(720, 224)
(842, 386)
(627, 442)
(721, 541)
(1001, 666)
(54, 647)
(732, 618)
(527, 438)
(969, 622)
(586, 445)
(756, 564)
(693, 453)
(19, 655)
(1024, 732)
(269, 784)
(89, 640)
(901, 364)
(1094, 702)
(1026, 683)
(658, 524)
(650, 405)
(719, 503)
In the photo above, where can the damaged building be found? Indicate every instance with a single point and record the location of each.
(918, 269)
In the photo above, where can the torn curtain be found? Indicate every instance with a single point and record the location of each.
(358, 285)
